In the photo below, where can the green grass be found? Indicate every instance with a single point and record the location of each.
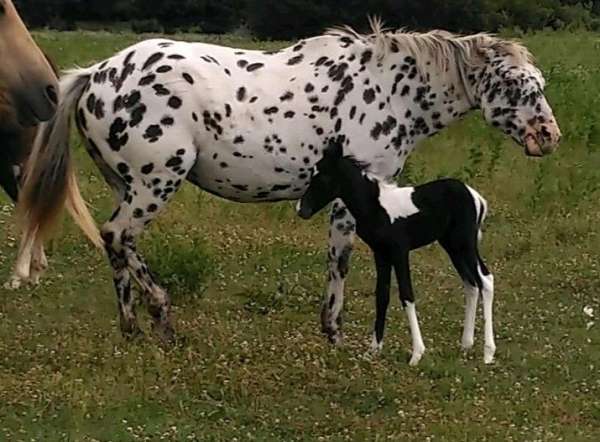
(247, 281)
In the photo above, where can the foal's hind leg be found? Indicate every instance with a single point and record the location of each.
(341, 237)
(487, 293)
(477, 281)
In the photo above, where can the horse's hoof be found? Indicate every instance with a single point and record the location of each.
(14, 283)
(133, 334)
(165, 333)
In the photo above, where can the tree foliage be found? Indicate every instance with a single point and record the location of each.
(287, 19)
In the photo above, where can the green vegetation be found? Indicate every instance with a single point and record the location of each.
(247, 283)
(288, 19)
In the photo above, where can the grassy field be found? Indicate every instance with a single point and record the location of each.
(247, 282)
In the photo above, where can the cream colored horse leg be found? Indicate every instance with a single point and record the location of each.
(22, 270)
(39, 263)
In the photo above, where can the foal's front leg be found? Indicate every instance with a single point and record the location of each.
(382, 300)
(341, 237)
(402, 269)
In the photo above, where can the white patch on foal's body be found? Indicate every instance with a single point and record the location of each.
(397, 201)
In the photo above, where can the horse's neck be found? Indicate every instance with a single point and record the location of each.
(425, 96)
(359, 193)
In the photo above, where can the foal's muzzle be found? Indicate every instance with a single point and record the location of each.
(303, 211)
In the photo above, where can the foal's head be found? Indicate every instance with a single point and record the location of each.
(329, 177)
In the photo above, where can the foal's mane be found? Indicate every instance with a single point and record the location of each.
(442, 47)
(363, 166)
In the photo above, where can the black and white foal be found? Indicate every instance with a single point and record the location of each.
(393, 221)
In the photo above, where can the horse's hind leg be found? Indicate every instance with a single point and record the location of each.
(341, 237)
(145, 196)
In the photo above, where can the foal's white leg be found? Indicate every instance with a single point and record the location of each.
(471, 298)
(487, 293)
(341, 238)
(23, 264)
(418, 347)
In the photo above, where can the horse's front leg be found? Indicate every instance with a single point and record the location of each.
(341, 237)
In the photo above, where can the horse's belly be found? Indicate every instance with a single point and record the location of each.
(246, 179)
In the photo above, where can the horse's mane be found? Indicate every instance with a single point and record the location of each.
(438, 46)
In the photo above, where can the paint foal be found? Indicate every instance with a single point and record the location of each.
(395, 220)
(249, 126)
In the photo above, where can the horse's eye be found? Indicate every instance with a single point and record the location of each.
(2, 8)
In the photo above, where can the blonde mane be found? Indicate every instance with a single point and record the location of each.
(437, 46)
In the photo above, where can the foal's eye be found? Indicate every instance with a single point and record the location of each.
(2, 9)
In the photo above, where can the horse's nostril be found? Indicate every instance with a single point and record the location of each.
(51, 94)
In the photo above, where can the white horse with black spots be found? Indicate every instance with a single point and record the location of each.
(249, 126)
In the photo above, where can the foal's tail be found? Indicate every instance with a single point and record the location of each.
(481, 209)
(50, 182)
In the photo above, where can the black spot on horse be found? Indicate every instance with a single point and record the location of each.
(137, 115)
(174, 161)
(289, 114)
(116, 138)
(295, 60)
(167, 121)
(175, 102)
(187, 77)
(164, 69)
(160, 90)
(147, 79)
(241, 93)
(254, 66)
(153, 133)
(153, 59)
(147, 168)
(369, 95)
(366, 57)
(287, 96)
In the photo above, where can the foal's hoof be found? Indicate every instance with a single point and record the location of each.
(416, 357)
(488, 355)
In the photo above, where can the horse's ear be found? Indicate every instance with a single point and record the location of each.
(335, 149)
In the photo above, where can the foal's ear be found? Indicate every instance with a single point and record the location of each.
(334, 150)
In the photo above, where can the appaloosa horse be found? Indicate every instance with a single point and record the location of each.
(249, 126)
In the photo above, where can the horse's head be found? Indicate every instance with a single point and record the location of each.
(323, 187)
(25, 73)
(510, 92)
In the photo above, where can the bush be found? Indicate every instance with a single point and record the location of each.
(145, 26)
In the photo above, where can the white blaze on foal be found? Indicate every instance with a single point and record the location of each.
(395, 220)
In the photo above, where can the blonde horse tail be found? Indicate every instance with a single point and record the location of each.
(50, 182)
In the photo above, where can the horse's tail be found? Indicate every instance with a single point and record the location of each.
(481, 209)
(50, 182)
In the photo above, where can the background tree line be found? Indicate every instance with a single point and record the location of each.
(286, 19)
